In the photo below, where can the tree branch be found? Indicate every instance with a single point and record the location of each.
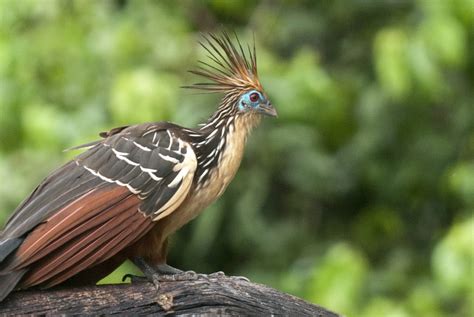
(205, 295)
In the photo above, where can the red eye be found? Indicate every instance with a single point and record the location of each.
(254, 97)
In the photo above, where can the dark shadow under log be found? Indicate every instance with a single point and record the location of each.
(202, 296)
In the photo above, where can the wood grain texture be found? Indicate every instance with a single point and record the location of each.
(203, 296)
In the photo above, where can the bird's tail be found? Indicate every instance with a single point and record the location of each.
(7, 246)
(9, 279)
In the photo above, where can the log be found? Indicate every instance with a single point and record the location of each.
(205, 295)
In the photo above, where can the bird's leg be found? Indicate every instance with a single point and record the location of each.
(149, 272)
(160, 273)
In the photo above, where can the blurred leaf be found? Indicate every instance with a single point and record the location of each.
(453, 260)
(463, 9)
(424, 301)
(423, 67)
(384, 307)
(446, 38)
(461, 181)
(391, 63)
(42, 126)
(338, 281)
(141, 96)
(378, 222)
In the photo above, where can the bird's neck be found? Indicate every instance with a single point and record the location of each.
(221, 143)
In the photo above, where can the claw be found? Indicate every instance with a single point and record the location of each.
(221, 274)
(218, 274)
(241, 278)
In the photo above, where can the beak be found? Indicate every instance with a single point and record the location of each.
(267, 109)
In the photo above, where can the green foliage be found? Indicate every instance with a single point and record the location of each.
(453, 265)
(360, 196)
(144, 86)
(339, 280)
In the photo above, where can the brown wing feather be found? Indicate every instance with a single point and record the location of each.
(72, 252)
(69, 222)
(116, 240)
(86, 232)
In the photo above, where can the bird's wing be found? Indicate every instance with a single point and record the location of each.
(98, 204)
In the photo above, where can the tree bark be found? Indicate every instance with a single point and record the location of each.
(202, 296)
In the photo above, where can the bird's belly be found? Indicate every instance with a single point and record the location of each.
(198, 200)
(153, 245)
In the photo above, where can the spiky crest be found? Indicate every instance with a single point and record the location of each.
(233, 68)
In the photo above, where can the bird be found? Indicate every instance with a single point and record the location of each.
(126, 193)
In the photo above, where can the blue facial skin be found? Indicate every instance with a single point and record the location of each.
(246, 104)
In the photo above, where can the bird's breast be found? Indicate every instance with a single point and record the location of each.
(221, 175)
(202, 195)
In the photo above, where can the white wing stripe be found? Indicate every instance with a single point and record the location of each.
(130, 188)
(148, 170)
(121, 156)
(169, 158)
(108, 180)
(171, 139)
(118, 153)
(178, 177)
(128, 161)
(151, 172)
(144, 148)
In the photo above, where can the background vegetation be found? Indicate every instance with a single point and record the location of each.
(359, 197)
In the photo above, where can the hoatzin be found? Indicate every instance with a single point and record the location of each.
(123, 196)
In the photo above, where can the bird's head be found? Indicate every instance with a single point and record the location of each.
(232, 70)
(256, 101)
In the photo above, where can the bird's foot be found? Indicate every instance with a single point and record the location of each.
(169, 273)
(180, 276)
(166, 273)
(220, 274)
(160, 273)
(151, 273)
